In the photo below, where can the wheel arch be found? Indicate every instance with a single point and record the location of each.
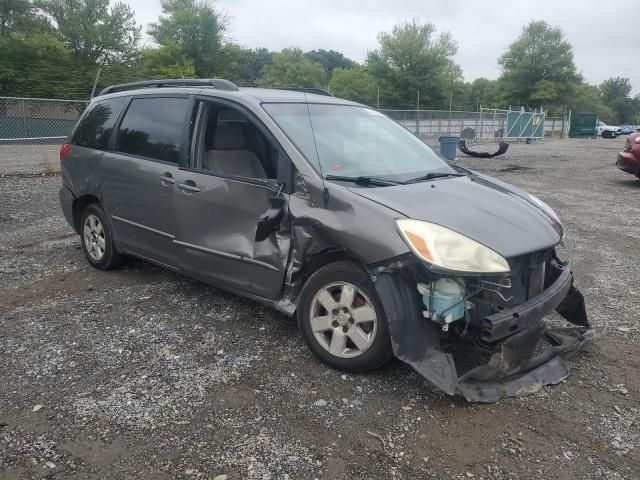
(79, 205)
(310, 266)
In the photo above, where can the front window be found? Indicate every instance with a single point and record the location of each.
(353, 141)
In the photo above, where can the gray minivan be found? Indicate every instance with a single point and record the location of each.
(328, 210)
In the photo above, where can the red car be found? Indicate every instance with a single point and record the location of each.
(629, 158)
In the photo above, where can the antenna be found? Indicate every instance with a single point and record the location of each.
(313, 133)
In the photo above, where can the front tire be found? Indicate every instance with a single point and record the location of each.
(96, 236)
(342, 320)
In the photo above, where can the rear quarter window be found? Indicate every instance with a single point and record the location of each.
(154, 127)
(94, 130)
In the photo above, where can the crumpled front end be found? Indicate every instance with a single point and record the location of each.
(496, 323)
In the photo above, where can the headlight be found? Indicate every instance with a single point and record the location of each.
(447, 249)
(547, 209)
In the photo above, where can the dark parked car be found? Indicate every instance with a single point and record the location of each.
(330, 211)
(629, 158)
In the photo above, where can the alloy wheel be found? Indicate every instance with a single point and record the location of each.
(343, 320)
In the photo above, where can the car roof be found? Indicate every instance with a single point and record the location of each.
(252, 94)
(283, 95)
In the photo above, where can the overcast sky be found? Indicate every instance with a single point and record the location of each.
(605, 35)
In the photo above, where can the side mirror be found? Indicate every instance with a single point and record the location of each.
(286, 173)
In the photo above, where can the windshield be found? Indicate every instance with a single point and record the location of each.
(352, 141)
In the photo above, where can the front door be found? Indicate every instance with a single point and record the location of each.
(138, 177)
(219, 200)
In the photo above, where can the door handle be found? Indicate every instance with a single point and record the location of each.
(167, 179)
(188, 187)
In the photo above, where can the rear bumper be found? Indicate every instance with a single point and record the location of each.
(66, 203)
(627, 162)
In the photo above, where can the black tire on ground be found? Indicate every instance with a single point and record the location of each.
(607, 134)
(110, 258)
(379, 352)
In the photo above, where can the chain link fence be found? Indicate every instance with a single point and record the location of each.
(37, 120)
(41, 120)
(473, 126)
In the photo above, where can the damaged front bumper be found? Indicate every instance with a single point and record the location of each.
(514, 334)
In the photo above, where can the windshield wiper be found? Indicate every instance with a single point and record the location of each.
(365, 181)
(432, 175)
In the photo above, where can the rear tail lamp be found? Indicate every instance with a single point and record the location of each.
(64, 149)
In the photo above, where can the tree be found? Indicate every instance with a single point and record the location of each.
(94, 32)
(26, 68)
(354, 84)
(167, 61)
(538, 69)
(483, 92)
(616, 95)
(291, 68)
(588, 99)
(412, 59)
(196, 27)
(20, 16)
(330, 60)
(244, 66)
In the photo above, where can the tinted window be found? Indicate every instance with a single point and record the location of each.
(155, 128)
(96, 126)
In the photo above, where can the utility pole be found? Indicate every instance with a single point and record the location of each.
(450, 106)
(418, 115)
(95, 83)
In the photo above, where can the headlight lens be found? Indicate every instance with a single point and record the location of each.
(547, 209)
(450, 250)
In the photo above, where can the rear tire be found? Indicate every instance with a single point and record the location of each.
(341, 319)
(96, 236)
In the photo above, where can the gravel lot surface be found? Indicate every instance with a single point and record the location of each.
(142, 373)
(29, 159)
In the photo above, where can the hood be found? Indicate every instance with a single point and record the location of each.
(491, 212)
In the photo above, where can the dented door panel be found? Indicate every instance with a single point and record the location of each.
(216, 228)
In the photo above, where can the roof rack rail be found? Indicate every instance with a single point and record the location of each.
(317, 91)
(218, 83)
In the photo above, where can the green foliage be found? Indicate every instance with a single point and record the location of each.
(21, 16)
(354, 84)
(54, 48)
(94, 32)
(588, 99)
(412, 59)
(538, 69)
(243, 66)
(616, 94)
(167, 61)
(330, 60)
(26, 69)
(484, 92)
(291, 68)
(197, 28)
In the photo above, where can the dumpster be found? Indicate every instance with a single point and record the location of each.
(583, 125)
(448, 146)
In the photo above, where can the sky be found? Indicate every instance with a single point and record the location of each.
(605, 35)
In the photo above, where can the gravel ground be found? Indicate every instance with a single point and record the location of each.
(142, 373)
(29, 159)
